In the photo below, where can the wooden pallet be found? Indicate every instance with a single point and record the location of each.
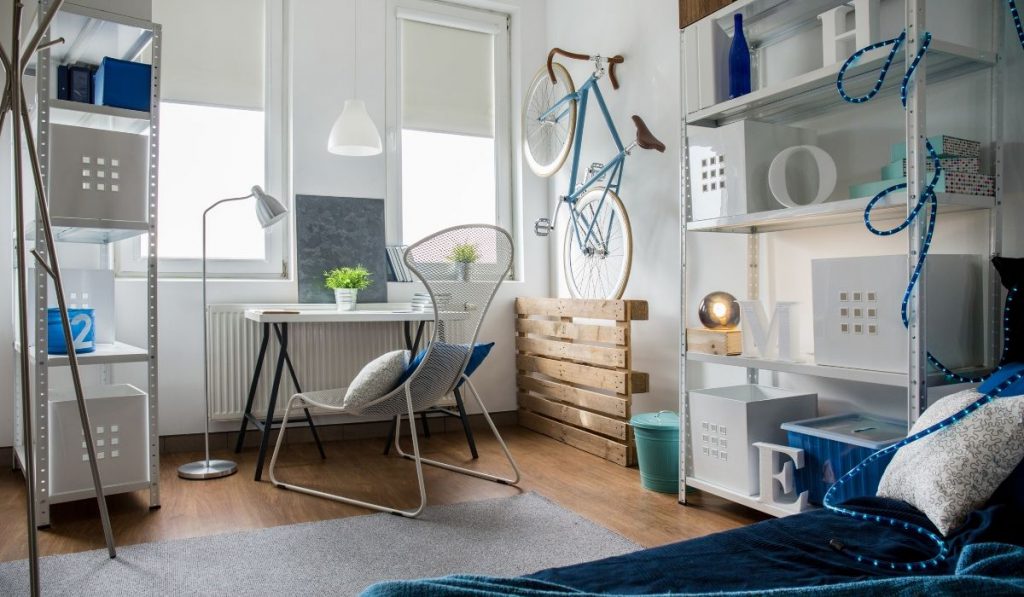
(576, 381)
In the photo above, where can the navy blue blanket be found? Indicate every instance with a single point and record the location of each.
(776, 554)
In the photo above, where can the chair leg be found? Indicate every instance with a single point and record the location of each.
(465, 471)
(391, 434)
(339, 498)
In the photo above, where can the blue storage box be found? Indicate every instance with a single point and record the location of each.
(122, 84)
(836, 444)
(83, 330)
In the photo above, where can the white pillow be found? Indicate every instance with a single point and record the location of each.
(956, 470)
(378, 377)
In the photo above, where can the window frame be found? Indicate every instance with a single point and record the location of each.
(277, 167)
(471, 18)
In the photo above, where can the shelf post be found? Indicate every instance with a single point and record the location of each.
(917, 391)
(684, 218)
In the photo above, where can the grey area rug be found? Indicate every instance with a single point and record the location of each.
(500, 537)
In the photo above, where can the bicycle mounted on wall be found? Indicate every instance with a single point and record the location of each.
(598, 248)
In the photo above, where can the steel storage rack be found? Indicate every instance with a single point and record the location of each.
(100, 168)
(808, 97)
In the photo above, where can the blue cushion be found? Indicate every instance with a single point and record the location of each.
(480, 352)
(1005, 372)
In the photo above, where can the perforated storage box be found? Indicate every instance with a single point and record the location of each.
(97, 176)
(857, 319)
(725, 422)
(834, 445)
(118, 414)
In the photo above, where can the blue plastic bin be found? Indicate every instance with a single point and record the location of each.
(122, 84)
(657, 450)
(83, 330)
(834, 445)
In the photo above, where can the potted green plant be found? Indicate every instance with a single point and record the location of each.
(346, 282)
(462, 256)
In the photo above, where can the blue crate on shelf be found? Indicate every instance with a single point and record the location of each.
(834, 445)
(122, 84)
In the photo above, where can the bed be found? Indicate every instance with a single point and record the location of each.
(792, 556)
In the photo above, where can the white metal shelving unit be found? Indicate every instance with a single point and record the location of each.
(89, 35)
(811, 95)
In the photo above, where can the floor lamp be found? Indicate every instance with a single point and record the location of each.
(269, 211)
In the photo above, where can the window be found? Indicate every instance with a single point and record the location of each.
(220, 134)
(449, 99)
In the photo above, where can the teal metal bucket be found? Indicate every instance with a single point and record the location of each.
(657, 449)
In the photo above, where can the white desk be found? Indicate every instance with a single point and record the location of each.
(276, 318)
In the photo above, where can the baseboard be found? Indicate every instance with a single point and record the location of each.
(225, 440)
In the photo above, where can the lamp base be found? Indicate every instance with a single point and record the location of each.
(207, 469)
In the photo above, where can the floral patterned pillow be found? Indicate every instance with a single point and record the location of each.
(956, 470)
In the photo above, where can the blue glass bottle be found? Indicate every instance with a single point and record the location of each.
(739, 60)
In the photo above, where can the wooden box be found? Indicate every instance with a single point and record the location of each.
(576, 380)
(720, 342)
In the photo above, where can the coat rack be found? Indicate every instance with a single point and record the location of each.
(13, 101)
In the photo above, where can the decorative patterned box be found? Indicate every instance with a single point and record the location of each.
(964, 183)
(945, 145)
(898, 169)
(857, 311)
(729, 166)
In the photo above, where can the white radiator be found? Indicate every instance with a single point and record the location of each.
(325, 356)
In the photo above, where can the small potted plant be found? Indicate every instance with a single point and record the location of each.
(346, 282)
(461, 256)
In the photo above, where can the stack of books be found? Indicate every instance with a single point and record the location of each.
(396, 254)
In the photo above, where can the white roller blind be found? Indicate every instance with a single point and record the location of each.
(213, 51)
(447, 79)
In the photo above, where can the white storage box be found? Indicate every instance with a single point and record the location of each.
(97, 176)
(118, 414)
(857, 319)
(725, 422)
(729, 166)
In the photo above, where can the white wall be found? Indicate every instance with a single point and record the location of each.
(646, 33)
(321, 63)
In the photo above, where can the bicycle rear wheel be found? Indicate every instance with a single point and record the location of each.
(546, 141)
(598, 267)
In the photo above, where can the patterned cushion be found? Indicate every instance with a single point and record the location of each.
(957, 469)
(377, 378)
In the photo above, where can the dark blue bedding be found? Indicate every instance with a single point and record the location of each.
(785, 553)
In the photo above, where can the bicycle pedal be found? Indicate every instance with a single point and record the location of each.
(542, 227)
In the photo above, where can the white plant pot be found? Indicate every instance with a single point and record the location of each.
(345, 298)
(462, 270)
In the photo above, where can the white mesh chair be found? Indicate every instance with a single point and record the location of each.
(460, 298)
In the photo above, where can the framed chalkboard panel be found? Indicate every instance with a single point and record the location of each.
(338, 232)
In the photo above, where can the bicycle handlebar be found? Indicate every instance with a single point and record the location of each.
(612, 61)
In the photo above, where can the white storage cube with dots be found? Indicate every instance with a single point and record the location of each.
(725, 423)
(120, 432)
(729, 166)
(857, 320)
(97, 177)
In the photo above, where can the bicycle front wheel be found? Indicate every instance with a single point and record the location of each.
(598, 250)
(547, 133)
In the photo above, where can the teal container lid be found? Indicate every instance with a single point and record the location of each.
(664, 419)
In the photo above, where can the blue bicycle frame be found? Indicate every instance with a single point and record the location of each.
(584, 227)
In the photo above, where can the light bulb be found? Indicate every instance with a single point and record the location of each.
(719, 310)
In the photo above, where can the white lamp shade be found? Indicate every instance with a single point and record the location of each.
(354, 133)
(269, 210)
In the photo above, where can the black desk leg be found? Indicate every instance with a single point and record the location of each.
(282, 331)
(298, 390)
(465, 424)
(252, 387)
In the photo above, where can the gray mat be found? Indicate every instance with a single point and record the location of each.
(502, 537)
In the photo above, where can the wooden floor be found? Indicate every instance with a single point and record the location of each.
(596, 489)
